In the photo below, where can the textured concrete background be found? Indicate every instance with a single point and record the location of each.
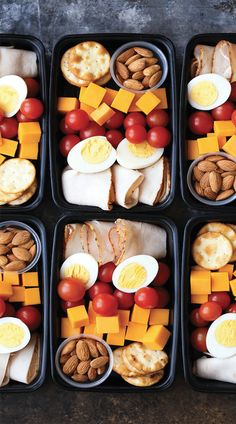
(179, 20)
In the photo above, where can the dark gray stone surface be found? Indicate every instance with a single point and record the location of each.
(179, 20)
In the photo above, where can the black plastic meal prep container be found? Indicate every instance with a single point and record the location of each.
(28, 42)
(60, 87)
(114, 381)
(211, 40)
(42, 268)
(192, 227)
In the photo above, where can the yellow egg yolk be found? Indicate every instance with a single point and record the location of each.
(204, 93)
(132, 276)
(225, 333)
(11, 335)
(8, 98)
(96, 151)
(141, 150)
(77, 271)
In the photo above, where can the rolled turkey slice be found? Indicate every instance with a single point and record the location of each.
(75, 239)
(167, 182)
(216, 369)
(88, 189)
(150, 189)
(221, 60)
(102, 232)
(4, 374)
(126, 183)
(18, 62)
(24, 364)
(203, 59)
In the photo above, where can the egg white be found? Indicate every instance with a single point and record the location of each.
(87, 261)
(26, 338)
(128, 160)
(20, 86)
(214, 348)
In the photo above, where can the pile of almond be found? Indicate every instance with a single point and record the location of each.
(215, 178)
(138, 69)
(84, 360)
(17, 249)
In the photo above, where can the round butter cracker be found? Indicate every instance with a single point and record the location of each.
(25, 196)
(227, 230)
(16, 176)
(145, 380)
(144, 360)
(212, 250)
(68, 75)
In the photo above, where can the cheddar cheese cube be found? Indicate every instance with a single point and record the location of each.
(192, 149)
(88, 109)
(109, 96)
(6, 290)
(117, 339)
(2, 158)
(161, 94)
(82, 94)
(1, 277)
(107, 324)
(29, 132)
(156, 337)
(67, 330)
(147, 102)
(78, 316)
(199, 299)
(207, 145)
(29, 151)
(230, 146)
(32, 296)
(91, 313)
(30, 279)
(92, 329)
(224, 128)
(93, 95)
(228, 268)
(102, 114)
(219, 281)
(123, 317)
(140, 315)
(8, 147)
(135, 332)
(159, 316)
(234, 273)
(66, 104)
(200, 282)
(18, 294)
(11, 277)
(210, 134)
(233, 286)
(123, 100)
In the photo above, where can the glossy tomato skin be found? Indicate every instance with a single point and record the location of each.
(115, 121)
(158, 118)
(65, 304)
(105, 272)
(64, 127)
(200, 123)
(162, 276)
(67, 142)
(22, 118)
(136, 134)
(159, 137)
(99, 288)
(32, 87)
(77, 119)
(134, 118)
(30, 315)
(164, 297)
(114, 137)
(9, 127)
(92, 130)
(233, 92)
(10, 310)
(32, 108)
(2, 307)
(198, 339)
(232, 308)
(71, 289)
(223, 112)
(146, 298)
(210, 311)
(196, 319)
(125, 300)
(233, 117)
(223, 298)
(105, 304)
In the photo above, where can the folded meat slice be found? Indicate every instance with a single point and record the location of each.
(100, 232)
(150, 189)
(203, 59)
(126, 183)
(221, 60)
(75, 239)
(167, 182)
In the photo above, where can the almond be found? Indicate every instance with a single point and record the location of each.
(6, 237)
(133, 84)
(138, 75)
(151, 60)
(119, 78)
(143, 52)
(225, 194)
(83, 367)
(215, 181)
(99, 362)
(226, 173)
(101, 370)
(28, 245)
(155, 79)
(82, 350)
(123, 57)
(21, 237)
(4, 249)
(80, 378)
(137, 65)
(69, 347)
(15, 266)
(132, 59)
(197, 173)
(73, 352)
(235, 183)
(22, 254)
(122, 70)
(204, 181)
(209, 194)
(33, 250)
(3, 260)
(101, 348)
(227, 165)
(92, 374)
(205, 166)
(227, 182)
(92, 348)
(150, 70)
(70, 365)
(64, 359)
(145, 82)
(214, 158)
(199, 190)
(12, 257)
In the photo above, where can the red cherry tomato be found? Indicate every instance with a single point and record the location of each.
(114, 137)
(9, 127)
(233, 117)
(2, 307)
(200, 123)
(198, 339)
(115, 121)
(98, 288)
(125, 300)
(32, 108)
(136, 134)
(77, 119)
(71, 289)
(146, 298)
(233, 92)
(164, 297)
(2, 114)
(22, 118)
(32, 87)
(30, 316)
(10, 310)
(92, 130)
(105, 304)
(134, 118)
(158, 118)
(223, 298)
(64, 128)
(232, 308)
(209, 311)
(223, 112)
(105, 272)
(67, 142)
(196, 320)
(65, 304)
(159, 137)
(162, 276)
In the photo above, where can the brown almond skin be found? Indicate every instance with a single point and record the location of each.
(235, 184)
(225, 194)
(227, 182)
(15, 266)
(68, 348)
(206, 165)
(151, 61)
(138, 75)
(227, 173)
(209, 194)
(150, 70)
(204, 181)
(124, 56)
(12, 257)
(155, 79)
(197, 173)
(143, 52)
(133, 84)
(199, 190)
(137, 65)
(92, 374)
(80, 378)
(6, 237)
(21, 237)
(215, 181)
(145, 82)
(4, 249)
(101, 348)
(82, 350)
(119, 78)
(83, 367)
(22, 254)
(3, 260)
(33, 250)
(101, 370)
(99, 362)
(214, 158)
(122, 70)
(64, 359)
(227, 165)
(132, 59)
(28, 245)
(92, 348)
(70, 365)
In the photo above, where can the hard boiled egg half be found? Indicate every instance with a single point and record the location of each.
(14, 335)
(94, 154)
(134, 273)
(13, 91)
(221, 336)
(137, 156)
(208, 91)
(82, 266)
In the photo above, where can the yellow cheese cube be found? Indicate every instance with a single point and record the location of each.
(156, 337)
(6, 290)
(67, 330)
(11, 277)
(18, 294)
(161, 94)
(135, 331)
(219, 281)
(233, 286)
(117, 339)
(228, 268)
(230, 146)
(123, 317)
(1, 277)
(30, 279)
(93, 95)
(109, 96)
(29, 132)
(2, 158)
(88, 109)
(66, 104)
(207, 145)
(199, 298)
(82, 92)
(92, 329)
(147, 102)
(140, 315)
(102, 114)
(224, 128)
(29, 151)
(192, 149)
(78, 316)
(123, 100)
(8, 147)
(159, 316)
(210, 134)
(200, 282)
(91, 313)
(32, 296)
(108, 324)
